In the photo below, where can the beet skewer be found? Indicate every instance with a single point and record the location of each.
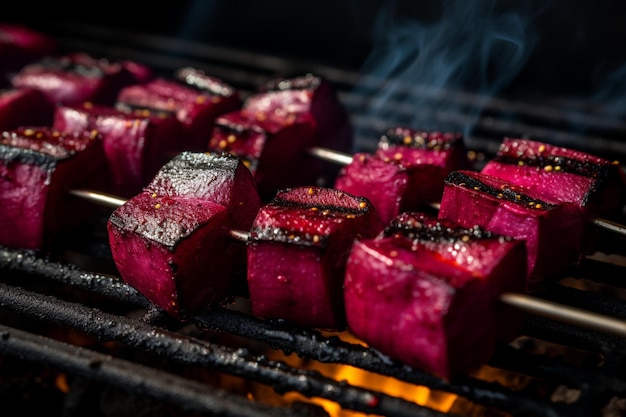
(524, 302)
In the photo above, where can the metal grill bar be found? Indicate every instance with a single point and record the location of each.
(138, 379)
(189, 351)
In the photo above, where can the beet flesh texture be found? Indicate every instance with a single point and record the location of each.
(594, 184)
(38, 166)
(136, 146)
(218, 177)
(314, 100)
(195, 109)
(24, 107)
(273, 149)
(171, 249)
(75, 78)
(406, 172)
(297, 253)
(553, 231)
(426, 292)
(21, 45)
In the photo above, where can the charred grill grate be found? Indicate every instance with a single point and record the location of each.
(139, 350)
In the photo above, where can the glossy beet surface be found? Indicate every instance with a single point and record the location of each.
(75, 78)
(561, 174)
(296, 257)
(553, 231)
(406, 172)
(195, 108)
(171, 249)
(38, 166)
(425, 292)
(136, 146)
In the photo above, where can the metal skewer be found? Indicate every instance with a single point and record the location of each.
(527, 303)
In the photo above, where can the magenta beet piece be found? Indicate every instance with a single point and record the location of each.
(594, 184)
(553, 231)
(313, 99)
(24, 107)
(38, 166)
(273, 149)
(195, 109)
(171, 249)
(76, 78)
(406, 172)
(21, 45)
(297, 253)
(426, 292)
(136, 146)
(218, 177)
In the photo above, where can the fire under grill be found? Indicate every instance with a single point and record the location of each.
(75, 339)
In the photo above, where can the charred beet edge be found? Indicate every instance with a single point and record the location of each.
(420, 139)
(414, 295)
(423, 228)
(296, 256)
(509, 193)
(198, 79)
(171, 249)
(38, 166)
(553, 232)
(406, 172)
(196, 109)
(596, 185)
(136, 146)
(75, 78)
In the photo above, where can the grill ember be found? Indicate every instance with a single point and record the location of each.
(74, 339)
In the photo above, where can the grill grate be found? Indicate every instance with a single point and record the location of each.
(150, 350)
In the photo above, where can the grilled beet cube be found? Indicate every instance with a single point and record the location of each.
(406, 172)
(596, 185)
(171, 249)
(136, 146)
(20, 45)
(553, 231)
(312, 99)
(218, 177)
(37, 168)
(196, 109)
(426, 292)
(24, 107)
(75, 78)
(274, 149)
(297, 253)
(221, 178)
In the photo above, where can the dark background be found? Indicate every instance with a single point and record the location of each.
(571, 47)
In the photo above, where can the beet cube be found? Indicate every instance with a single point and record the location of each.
(406, 172)
(426, 292)
(38, 166)
(595, 184)
(313, 99)
(221, 178)
(136, 146)
(24, 107)
(273, 149)
(75, 78)
(218, 177)
(553, 231)
(195, 109)
(171, 249)
(297, 253)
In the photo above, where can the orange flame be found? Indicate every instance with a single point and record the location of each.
(418, 394)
